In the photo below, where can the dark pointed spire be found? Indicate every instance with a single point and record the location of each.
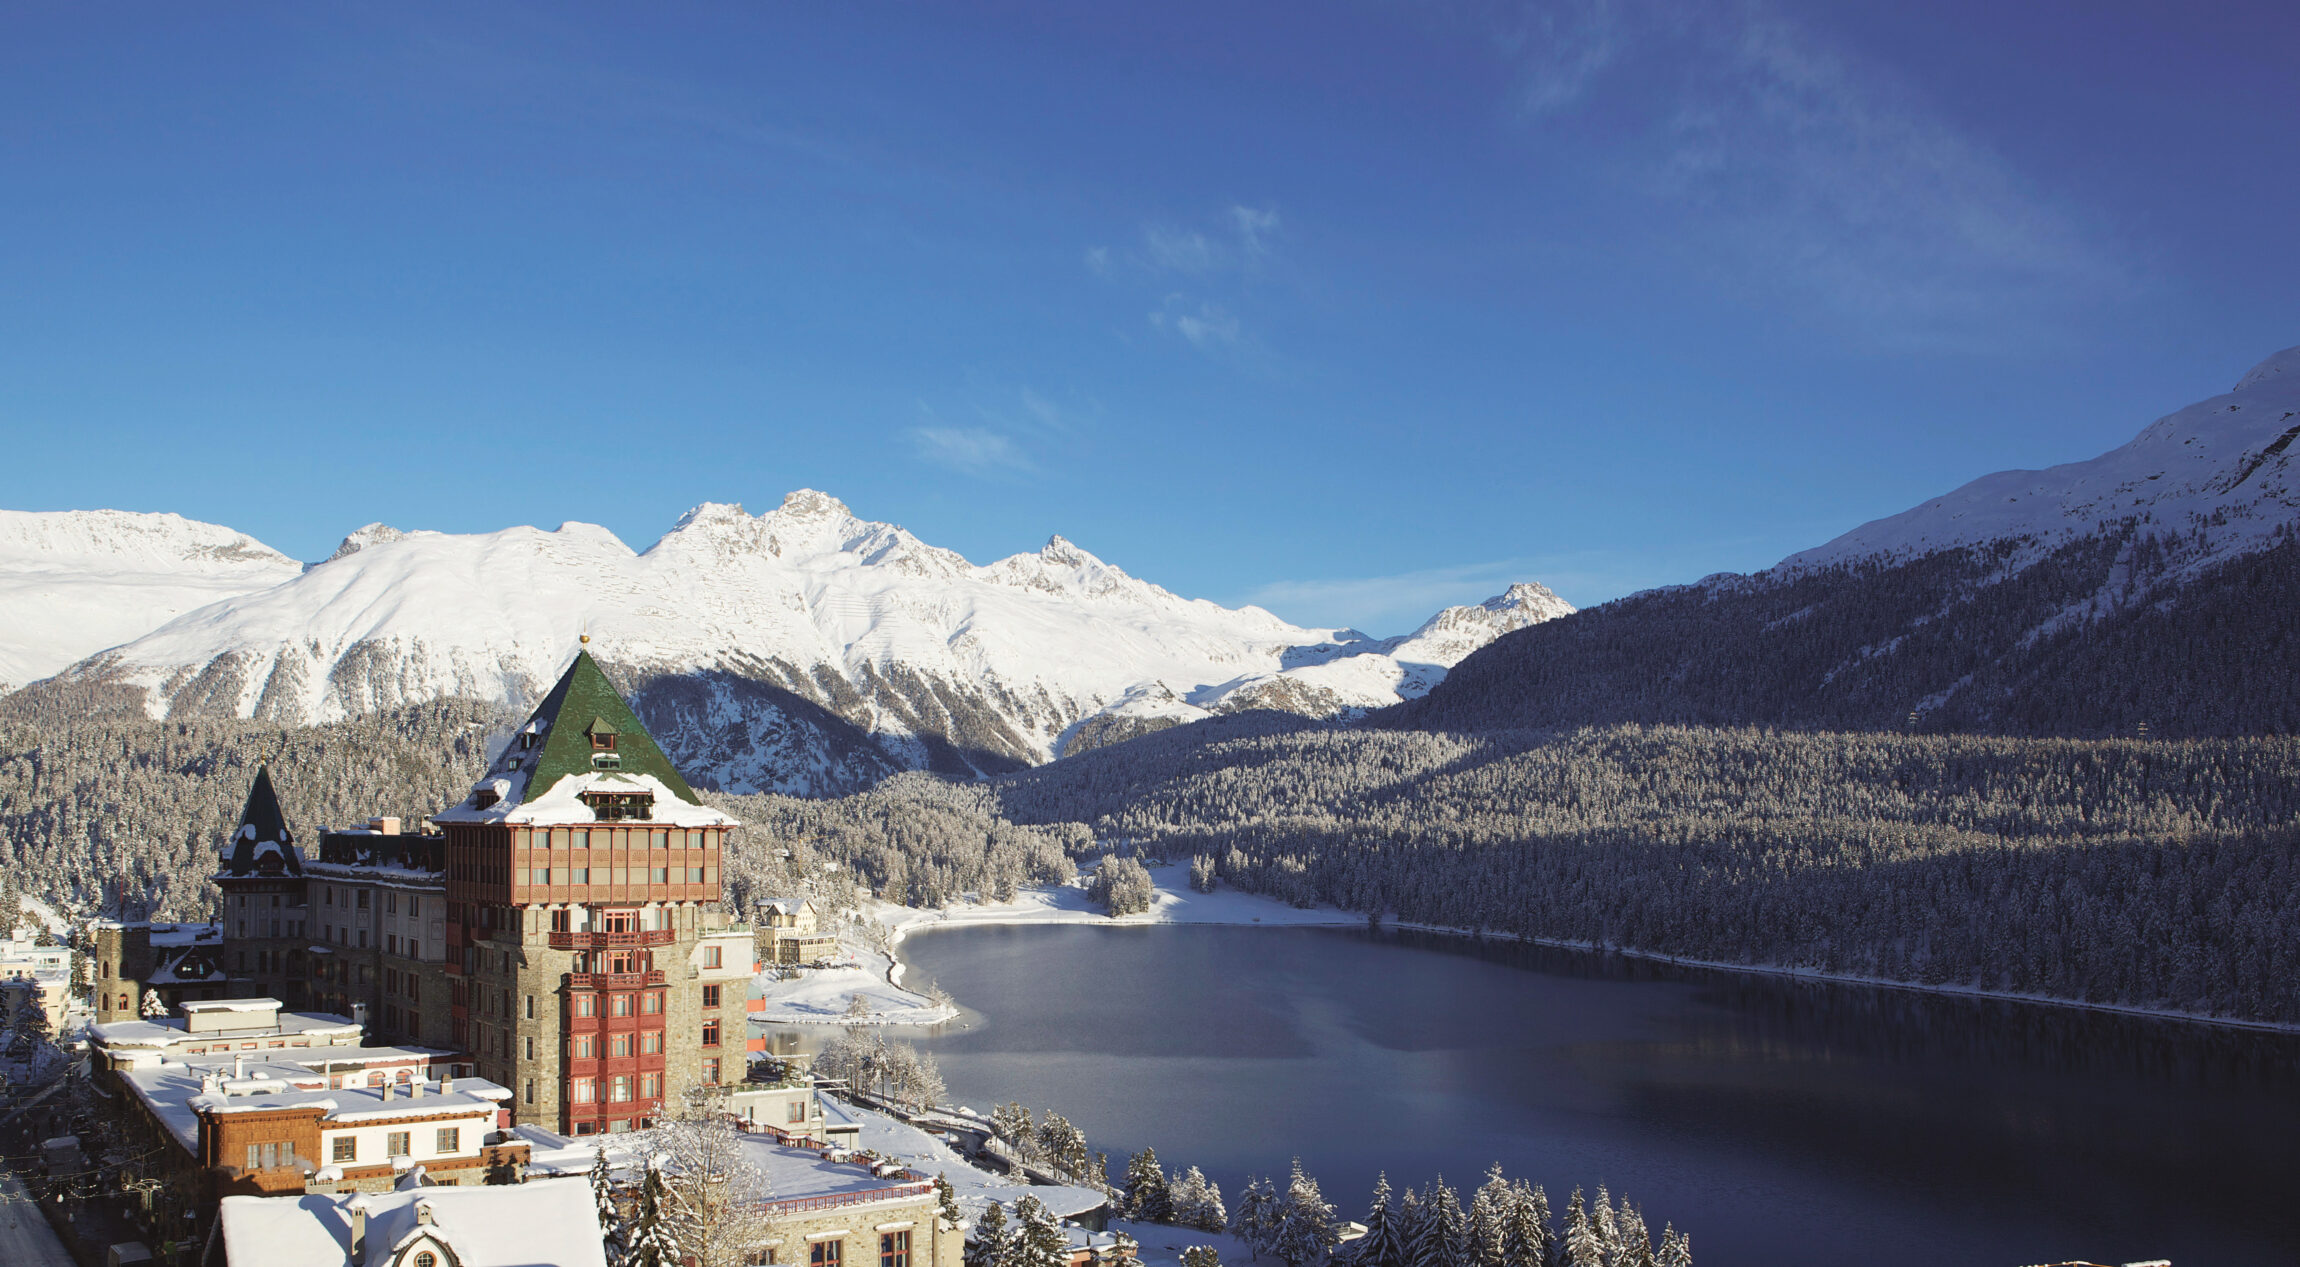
(263, 832)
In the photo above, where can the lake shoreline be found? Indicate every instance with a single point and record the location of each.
(1054, 906)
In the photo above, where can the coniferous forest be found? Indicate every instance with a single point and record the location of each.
(2153, 874)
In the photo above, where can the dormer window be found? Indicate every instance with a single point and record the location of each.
(484, 798)
(526, 740)
(610, 807)
(603, 743)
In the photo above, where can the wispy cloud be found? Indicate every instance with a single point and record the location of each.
(1802, 168)
(1204, 323)
(970, 450)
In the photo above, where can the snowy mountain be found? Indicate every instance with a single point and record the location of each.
(2157, 584)
(803, 649)
(76, 581)
(2220, 471)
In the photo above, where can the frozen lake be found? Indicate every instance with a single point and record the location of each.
(1778, 1122)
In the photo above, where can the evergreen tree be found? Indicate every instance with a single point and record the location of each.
(1447, 1239)
(1636, 1244)
(603, 1201)
(1526, 1238)
(1489, 1220)
(1201, 1256)
(1305, 1232)
(1602, 1223)
(1257, 1222)
(1414, 1229)
(991, 1242)
(1198, 1202)
(946, 1202)
(1675, 1251)
(1379, 1246)
(654, 1237)
(1148, 1199)
(1039, 1240)
(154, 1007)
(1582, 1246)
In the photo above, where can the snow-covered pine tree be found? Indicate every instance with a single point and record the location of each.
(1257, 1216)
(1039, 1238)
(654, 1236)
(1198, 1202)
(1414, 1230)
(1489, 1220)
(1676, 1249)
(1636, 1244)
(1306, 1232)
(1379, 1246)
(1011, 1122)
(1582, 1246)
(1448, 1239)
(1201, 1256)
(153, 1007)
(991, 1242)
(1601, 1222)
(1148, 1198)
(610, 1215)
(1527, 1237)
(946, 1202)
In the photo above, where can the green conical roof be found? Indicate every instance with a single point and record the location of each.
(583, 698)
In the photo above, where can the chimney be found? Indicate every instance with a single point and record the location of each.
(239, 1067)
(447, 1086)
(357, 1208)
(387, 1090)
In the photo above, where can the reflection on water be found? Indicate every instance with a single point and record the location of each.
(1780, 1122)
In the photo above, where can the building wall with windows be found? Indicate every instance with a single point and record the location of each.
(899, 1233)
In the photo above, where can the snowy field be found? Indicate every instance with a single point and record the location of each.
(824, 996)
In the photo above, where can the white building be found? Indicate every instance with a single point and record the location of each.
(548, 1223)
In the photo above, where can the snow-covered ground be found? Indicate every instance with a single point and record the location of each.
(823, 996)
(819, 996)
(1176, 903)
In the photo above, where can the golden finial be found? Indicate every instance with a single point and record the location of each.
(582, 637)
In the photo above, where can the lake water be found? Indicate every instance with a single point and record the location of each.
(1778, 1122)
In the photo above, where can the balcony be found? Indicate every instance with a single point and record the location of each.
(613, 980)
(613, 941)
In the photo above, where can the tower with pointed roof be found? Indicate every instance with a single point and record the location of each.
(593, 969)
(263, 913)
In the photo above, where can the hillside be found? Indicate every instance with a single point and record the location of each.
(2157, 584)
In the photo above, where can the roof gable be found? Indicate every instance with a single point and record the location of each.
(584, 699)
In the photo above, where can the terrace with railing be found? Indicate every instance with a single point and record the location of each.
(596, 939)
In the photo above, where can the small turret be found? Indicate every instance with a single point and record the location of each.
(262, 844)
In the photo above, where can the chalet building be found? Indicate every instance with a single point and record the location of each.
(595, 971)
(790, 932)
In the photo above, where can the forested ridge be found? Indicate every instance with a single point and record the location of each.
(2100, 636)
(2149, 873)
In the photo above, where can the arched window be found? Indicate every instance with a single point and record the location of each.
(427, 1259)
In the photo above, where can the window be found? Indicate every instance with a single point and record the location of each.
(581, 1047)
(542, 876)
(622, 1005)
(826, 1253)
(530, 1046)
(662, 840)
(579, 875)
(560, 922)
(531, 1090)
(586, 1005)
(694, 875)
(711, 1071)
(346, 1148)
(797, 1111)
(620, 1090)
(582, 840)
(391, 903)
(399, 1144)
(712, 957)
(619, 1046)
(651, 1044)
(427, 1259)
(584, 1092)
(363, 896)
(531, 1007)
(651, 1002)
(711, 1032)
(710, 996)
(894, 1249)
(450, 1140)
(662, 875)
(651, 1086)
(414, 905)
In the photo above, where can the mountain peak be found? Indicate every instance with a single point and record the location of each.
(374, 534)
(806, 503)
(713, 513)
(2286, 362)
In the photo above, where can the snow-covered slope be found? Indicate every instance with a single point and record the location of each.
(803, 649)
(74, 582)
(2222, 469)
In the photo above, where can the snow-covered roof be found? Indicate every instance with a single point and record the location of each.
(547, 1221)
(167, 1031)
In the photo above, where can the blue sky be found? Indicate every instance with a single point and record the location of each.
(1349, 309)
